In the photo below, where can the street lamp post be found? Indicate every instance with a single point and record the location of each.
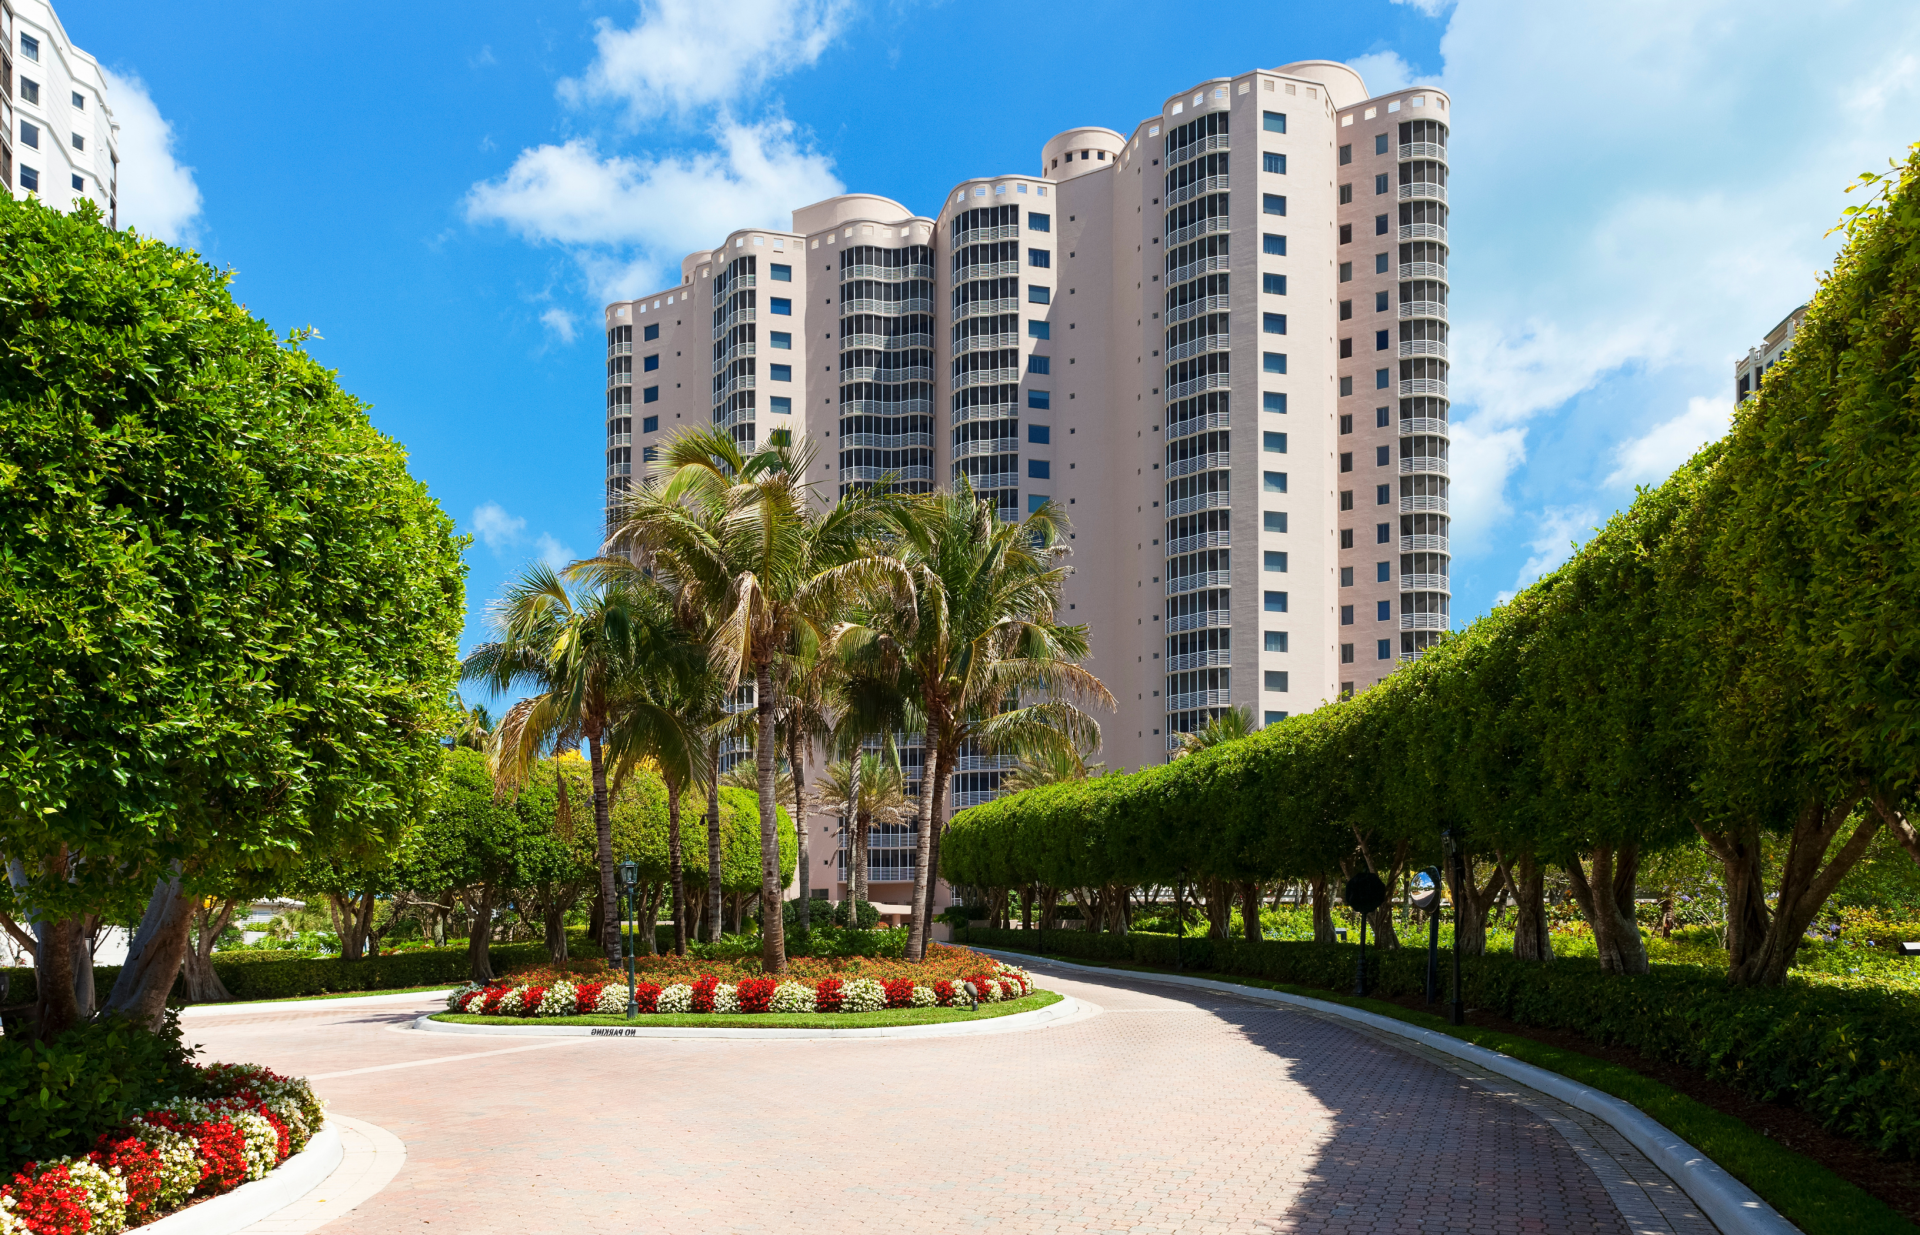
(1365, 893)
(630, 926)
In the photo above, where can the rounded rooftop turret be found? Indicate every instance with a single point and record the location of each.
(1076, 152)
(1344, 86)
(847, 208)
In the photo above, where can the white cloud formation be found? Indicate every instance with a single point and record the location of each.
(682, 55)
(157, 195)
(553, 553)
(496, 528)
(1432, 8)
(1649, 458)
(1383, 71)
(1556, 532)
(560, 322)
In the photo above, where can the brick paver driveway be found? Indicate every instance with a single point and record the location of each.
(1165, 1110)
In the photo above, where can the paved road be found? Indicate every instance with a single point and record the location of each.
(1160, 1110)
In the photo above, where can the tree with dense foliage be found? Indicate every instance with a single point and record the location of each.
(228, 619)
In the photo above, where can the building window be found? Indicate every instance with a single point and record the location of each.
(782, 339)
(30, 47)
(79, 184)
(1037, 294)
(1274, 560)
(1273, 401)
(649, 363)
(79, 101)
(1273, 284)
(1346, 615)
(1380, 340)
(1041, 399)
(1275, 163)
(780, 273)
(1274, 718)
(1346, 538)
(1346, 385)
(1346, 653)
(1277, 681)
(1346, 272)
(1039, 364)
(1273, 521)
(780, 372)
(1379, 417)
(29, 178)
(1346, 194)
(1038, 330)
(1382, 494)
(1379, 224)
(781, 405)
(1380, 263)
(1039, 469)
(650, 425)
(1276, 640)
(1273, 121)
(1346, 461)
(1346, 425)
(1346, 310)
(780, 306)
(1036, 500)
(1382, 533)
(1382, 379)
(1380, 143)
(1383, 572)
(650, 395)
(650, 333)
(649, 453)
(1346, 348)
(29, 135)
(1273, 323)
(1273, 203)
(1379, 302)
(1380, 456)
(79, 142)
(29, 90)
(1346, 576)
(1273, 245)
(1380, 184)
(1383, 611)
(1273, 362)
(1273, 443)
(1039, 257)
(1039, 222)
(1346, 155)
(1346, 233)
(1273, 482)
(1385, 649)
(1039, 435)
(1346, 499)
(1274, 602)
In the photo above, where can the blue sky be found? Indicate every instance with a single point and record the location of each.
(1639, 190)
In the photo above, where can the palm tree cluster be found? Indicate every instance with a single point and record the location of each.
(736, 607)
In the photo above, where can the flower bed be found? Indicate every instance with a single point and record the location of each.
(991, 982)
(239, 1123)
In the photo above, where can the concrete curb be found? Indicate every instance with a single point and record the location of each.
(1732, 1206)
(316, 1003)
(1039, 1018)
(236, 1210)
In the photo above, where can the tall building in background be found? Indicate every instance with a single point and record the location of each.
(1749, 369)
(1275, 413)
(61, 142)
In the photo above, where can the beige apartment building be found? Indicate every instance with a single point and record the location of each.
(1255, 466)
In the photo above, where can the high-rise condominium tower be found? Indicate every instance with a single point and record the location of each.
(1219, 342)
(59, 141)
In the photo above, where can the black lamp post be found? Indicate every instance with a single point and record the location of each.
(1458, 1012)
(630, 926)
(1433, 933)
(1365, 892)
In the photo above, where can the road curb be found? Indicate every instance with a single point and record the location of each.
(1039, 1018)
(1732, 1206)
(241, 1208)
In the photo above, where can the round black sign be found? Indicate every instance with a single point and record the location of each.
(1365, 893)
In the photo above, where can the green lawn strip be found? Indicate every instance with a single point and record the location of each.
(795, 1020)
(1807, 1194)
(404, 990)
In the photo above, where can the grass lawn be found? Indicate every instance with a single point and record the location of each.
(796, 1020)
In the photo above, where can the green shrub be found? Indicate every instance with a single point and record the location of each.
(57, 1098)
(1848, 1056)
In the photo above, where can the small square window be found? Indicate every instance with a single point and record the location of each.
(1036, 500)
(1346, 194)
(649, 333)
(1275, 163)
(1276, 640)
(1274, 718)
(1382, 533)
(1346, 347)
(780, 272)
(1273, 482)
(1040, 435)
(1380, 184)
(782, 405)
(1273, 443)
(1346, 272)
(1273, 362)
(650, 395)
(1041, 399)
(1346, 499)
(1383, 611)
(1037, 294)
(30, 135)
(1380, 263)
(1273, 401)
(1380, 456)
(1273, 323)
(1346, 233)
(1273, 203)
(29, 90)
(1385, 649)
(649, 363)
(1380, 143)
(780, 372)
(1346, 310)
(1346, 425)
(1383, 572)
(1346, 538)
(79, 184)
(1039, 257)
(1039, 469)
(1346, 615)
(1346, 576)
(1038, 330)
(1273, 521)
(1380, 417)
(1039, 364)
(1379, 224)
(1276, 680)
(30, 47)
(79, 101)
(1346, 653)
(1273, 121)
(780, 306)
(782, 339)
(1379, 302)
(29, 178)
(1037, 222)
(1346, 461)
(1274, 560)
(1381, 340)
(1346, 155)
(1382, 494)
(1274, 245)
(79, 142)
(1274, 602)
(1346, 385)
(650, 425)
(1273, 284)
(1382, 378)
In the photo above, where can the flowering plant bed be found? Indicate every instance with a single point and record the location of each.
(706, 995)
(778, 1020)
(943, 962)
(236, 1124)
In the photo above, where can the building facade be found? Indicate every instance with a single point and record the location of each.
(60, 143)
(1749, 369)
(1283, 415)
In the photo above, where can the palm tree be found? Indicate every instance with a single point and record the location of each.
(744, 775)
(1052, 765)
(575, 645)
(980, 636)
(865, 789)
(1225, 727)
(474, 728)
(753, 559)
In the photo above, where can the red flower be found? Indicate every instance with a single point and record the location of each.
(138, 1164)
(899, 992)
(703, 992)
(587, 996)
(219, 1145)
(756, 994)
(944, 992)
(49, 1202)
(494, 995)
(530, 1002)
(828, 994)
(646, 995)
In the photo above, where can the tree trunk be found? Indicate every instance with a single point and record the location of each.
(553, 922)
(773, 889)
(479, 964)
(857, 861)
(1532, 940)
(1740, 853)
(1897, 823)
(596, 916)
(153, 956)
(803, 860)
(203, 983)
(1805, 885)
(1474, 902)
(84, 929)
(1250, 910)
(1606, 900)
(56, 1007)
(710, 912)
(1322, 911)
(676, 870)
(1049, 903)
(933, 867)
(603, 850)
(933, 795)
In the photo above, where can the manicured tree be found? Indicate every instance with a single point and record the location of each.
(230, 617)
(469, 843)
(553, 871)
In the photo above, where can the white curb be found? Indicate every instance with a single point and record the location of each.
(236, 1210)
(317, 1003)
(1732, 1206)
(1039, 1018)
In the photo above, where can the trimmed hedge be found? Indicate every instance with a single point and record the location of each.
(1850, 1057)
(55, 1098)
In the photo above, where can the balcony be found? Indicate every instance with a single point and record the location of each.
(1422, 386)
(1199, 501)
(886, 407)
(887, 308)
(619, 469)
(848, 474)
(1213, 658)
(1193, 386)
(1423, 231)
(619, 379)
(1424, 621)
(1218, 461)
(732, 354)
(1194, 308)
(738, 416)
(1200, 699)
(1424, 544)
(985, 270)
(1424, 424)
(724, 286)
(1423, 191)
(986, 308)
(983, 481)
(1424, 308)
(1193, 270)
(1206, 619)
(985, 763)
(1215, 226)
(1196, 424)
(891, 274)
(1424, 583)
(982, 235)
(985, 377)
(619, 439)
(1204, 540)
(1423, 504)
(877, 373)
(1193, 150)
(985, 343)
(735, 318)
(1424, 270)
(984, 411)
(886, 342)
(982, 447)
(1199, 188)
(1423, 347)
(620, 349)
(1196, 347)
(1423, 463)
(884, 441)
(744, 382)
(1199, 581)
(962, 799)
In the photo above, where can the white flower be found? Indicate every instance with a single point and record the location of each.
(261, 1141)
(792, 997)
(511, 1002)
(106, 1193)
(559, 1000)
(457, 1001)
(726, 998)
(923, 997)
(863, 995)
(676, 998)
(613, 999)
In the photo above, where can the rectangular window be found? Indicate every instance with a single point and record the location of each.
(1379, 302)
(1273, 521)
(29, 178)
(1346, 155)
(782, 405)
(1346, 538)
(1382, 494)
(1382, 379)
(1039, 399)
(650, 395)
(1383, 611)
(1273, 323)
(1346, 310)
(1273, 284)
(1036, 500)
(1385, 649)
(1346, 653)
(1382, 533)
(1380, 456)
(1273, 482)
(1274, 602)
(780, 306)
(1037, 222)
(1346, 348)
(780, 372)
(1346, 272)
(30, 47)
(1346, 576)
(650, 425)
(1273, 121)
(79, 184)
(1346, 425)
(781, 273)
(1380, 184)
(1380, 340)
(1040, 435)
(1037, 294)
(782, 339)
(1275, 163)
(1346, 615)
(1274, 718)
(1346, 194)
(1273, 203)
(1383, 572)
(1277, 681)
(649, 363)
(1380, 263)
(1346, 233)
(1038, 330)
(29, 90)
(1274, 245)
(650, 333)
(29, 135)
(649, 453)
(1275, 561)
(1346, 385)
(1039, 257)
(79, 101)
(1379, 417)
(1273, 362)
(1346, 461)
(1346, 499)
(1039, 364)
(1273, 443)
(1273, 401)
(1039, 469)
(1380, 143)
(1276, 640)
(1379, 224)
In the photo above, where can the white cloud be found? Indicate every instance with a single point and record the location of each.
(1557, 531)
(560, 322)
(682, 55)
(1481, 459)
(1649, 458)
(553, 553)
(496, 528)
(157, 195)
(1432, 8)
(1382, 71)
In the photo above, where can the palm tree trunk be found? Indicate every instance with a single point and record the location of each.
(773, 889)
(677, 869)
(933, 797)
(801, 858)
(711, 913)
(857, 864)
(603, 831)
(933, 862)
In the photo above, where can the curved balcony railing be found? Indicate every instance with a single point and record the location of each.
(732, 354)
(1206, 619)
(1430, 425)
(980, 235)
(1424, 308)
(1202, 540)
(1206, 381)
(1424, 583)
(1199, 188)
(1196, 424)
(738, 416)
(1423, 231)
(1200, 699)
(983, 481)
(1423, 386)
(884, 441)
(1194, 347)
(619, 469)
(1423, 347)
(984, 411)
(886, 407)
(1199, 501)
(1424, 621)
(878, 473)
(735, 318)
(985, 763)
(1193, 270)
(619, 439)
(1199, 581)
(1423, 190)
(1198, 463)
(1423, 504)
(619, 379)
(985, 377)
(620, 349)
(985, 270)
(724, 286)
(986, 308)
(980, 447)
(1194, 308)
(1214, 226)
(1423, 463)
(1194, 149)
(887, 308)
(744, 382)
(890, 274)
(1212, 658)
(886, 342)
(1422, 150)
(985, 343)
(875, 373)
(1436, 271)
(1424, 544)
